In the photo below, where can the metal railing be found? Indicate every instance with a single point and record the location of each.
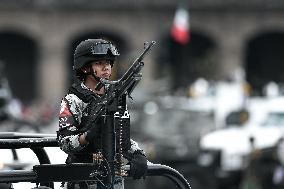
(64, 172)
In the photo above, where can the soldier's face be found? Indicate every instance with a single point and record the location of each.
(102, 68)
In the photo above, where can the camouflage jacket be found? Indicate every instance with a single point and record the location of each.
(73, 111)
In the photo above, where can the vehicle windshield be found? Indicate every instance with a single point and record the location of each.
(274, 119)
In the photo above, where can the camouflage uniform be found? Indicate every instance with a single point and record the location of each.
(73, 114)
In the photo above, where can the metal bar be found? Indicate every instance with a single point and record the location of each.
(67, 172)
(17, 176)
(14, 135)
(83, 172)
(172, 174)
(41, 155)
(28, 143)
(42, 172)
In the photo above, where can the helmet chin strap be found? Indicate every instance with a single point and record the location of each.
(98, 79)
(94, 74)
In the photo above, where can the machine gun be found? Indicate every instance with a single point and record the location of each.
(110, 105)
(77, 172)
(115, 89)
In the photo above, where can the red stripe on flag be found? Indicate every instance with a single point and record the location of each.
(180, 30)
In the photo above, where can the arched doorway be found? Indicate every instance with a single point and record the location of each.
(188, 62)
(19, 55)
(264, 60)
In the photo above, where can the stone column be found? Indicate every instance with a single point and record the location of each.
(51, 69)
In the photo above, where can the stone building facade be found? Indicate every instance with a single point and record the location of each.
(37, 40)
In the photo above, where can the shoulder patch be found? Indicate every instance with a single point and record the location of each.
(64, 110)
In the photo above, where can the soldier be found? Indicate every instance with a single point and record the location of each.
(93, 60)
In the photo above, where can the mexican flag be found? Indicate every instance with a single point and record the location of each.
(180, 30)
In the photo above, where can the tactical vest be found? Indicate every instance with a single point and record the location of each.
(121, 120)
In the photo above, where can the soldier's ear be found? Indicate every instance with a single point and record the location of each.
(87, 68)
(84, 70)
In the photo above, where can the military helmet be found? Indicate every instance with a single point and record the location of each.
(92, 50)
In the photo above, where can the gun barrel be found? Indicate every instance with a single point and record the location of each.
(146, 50)
(137, 64)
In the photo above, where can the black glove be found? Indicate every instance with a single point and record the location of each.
(91, 134)
(138, 165)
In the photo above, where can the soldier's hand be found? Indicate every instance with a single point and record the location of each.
(90, 135)
(138, 165)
